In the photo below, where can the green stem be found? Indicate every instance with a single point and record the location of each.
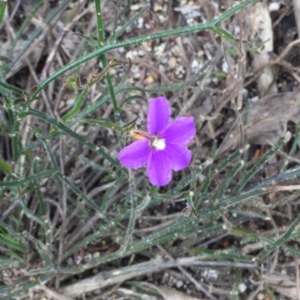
(282, 240)
(12, 88)
(138, 40)
(2, 9)
(104, 65)
(45, 173)
(260, 163)
(73, 134)
(103, 58)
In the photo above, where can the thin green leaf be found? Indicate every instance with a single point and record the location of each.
(11, 88)
(6, 59)
(10, 242)
(135, 97)
(223, 33)
(4, 166)
(226, 182)
(30, 215)
(19, 182)
(98, 122)
(71, 133)
(283, 239)
(261, 162)
(2, 9)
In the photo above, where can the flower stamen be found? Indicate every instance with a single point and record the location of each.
(159, 144)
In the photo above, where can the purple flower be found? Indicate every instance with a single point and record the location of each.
(164, 147)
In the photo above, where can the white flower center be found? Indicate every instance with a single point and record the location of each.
(159, 144)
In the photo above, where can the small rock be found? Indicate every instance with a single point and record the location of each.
(260, 296)
(96, 254)
(129, 55)
(157, 7)
(255, 99)
(194, 64)
(274, 6)
(179, 284)
(135, 7)
(140, 23)
(210, 273)
(161, 68)
(141, 53)
(61, 104)
(190, 21)
(88, 257)
(172, 62)
(225, 66)
(149, 79)
(242, 287)
(137, 75)
(162, 18)
(159, 50)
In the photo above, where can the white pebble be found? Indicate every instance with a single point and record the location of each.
(157, 7)
(195, 64)
(135, 7)
(140, 23)
(96, 254)
(274, 6)
(165, 60)
(190, 21)
(146, 46)
(129, 55)
(162, 18)
(141, 53)
(137, 75)
(242, 287)
(225, 66)
(254, 99)
(172, 62)
(161, 68)
(260, 296)
(179, 284)
(210, 273)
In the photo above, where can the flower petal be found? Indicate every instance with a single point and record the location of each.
(159, 168)
(181, 131)
(180, 156)
(135, 155)
(159, 113)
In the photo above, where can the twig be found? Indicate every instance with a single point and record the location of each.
(105, 279)
(52, 53)
(50, 293)
(198, 286)
(297, 278)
